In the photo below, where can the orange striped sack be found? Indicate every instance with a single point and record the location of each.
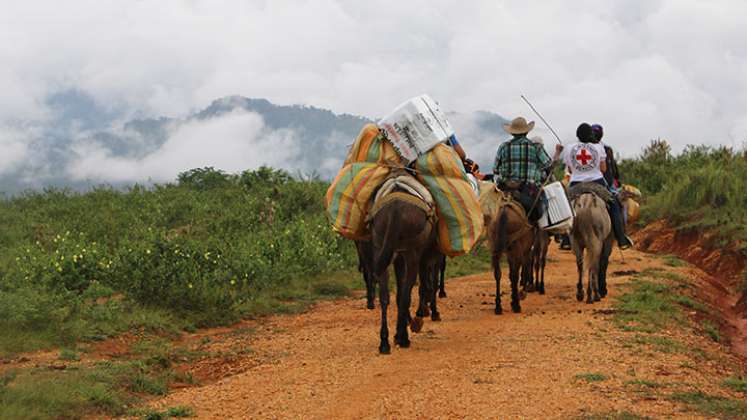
(460, 220)
(366, 167)
(370, 146)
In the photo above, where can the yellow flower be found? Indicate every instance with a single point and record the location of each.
(147, 251)
(189, 285)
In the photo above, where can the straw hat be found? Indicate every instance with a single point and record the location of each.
(519, 126)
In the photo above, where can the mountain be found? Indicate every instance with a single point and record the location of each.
(306, 139)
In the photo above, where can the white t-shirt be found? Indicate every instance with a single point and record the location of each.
(584, 160)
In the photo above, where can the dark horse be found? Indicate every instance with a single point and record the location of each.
(403, 225)
(365, 267)
(509, 232)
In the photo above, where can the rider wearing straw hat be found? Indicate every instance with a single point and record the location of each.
(521, 166)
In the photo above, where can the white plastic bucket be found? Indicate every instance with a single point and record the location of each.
(558, 217)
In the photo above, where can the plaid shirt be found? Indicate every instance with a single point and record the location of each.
(519, 159)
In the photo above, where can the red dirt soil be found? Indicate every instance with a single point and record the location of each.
(325, 364)
(724, 266)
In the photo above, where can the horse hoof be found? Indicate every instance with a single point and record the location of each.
(498, 310)
(385, 349)
(597, 298)
(516, 309)
(370, 306)
(403, 343)
(426, 312)
(580, 297)
(435, 316)
(442, 294)
(542, 291)
(416, 324)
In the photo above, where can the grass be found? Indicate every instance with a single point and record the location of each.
(172, 412)
(673, 261)
(68, 354)
(646, 307)
(476, 262)
(735, 384)
(710, 405)
(711, 330)
(660, 344)
(101, 388)
(591, 377)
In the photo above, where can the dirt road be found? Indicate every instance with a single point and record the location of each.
(557, 359)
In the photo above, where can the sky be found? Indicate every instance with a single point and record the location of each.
(644, 69)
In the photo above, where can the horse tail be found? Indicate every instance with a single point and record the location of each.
(384, 257)
(501, 239)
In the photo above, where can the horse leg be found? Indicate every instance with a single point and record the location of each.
(513, 275)
(425, 292)
(580, 267)
(593, 254)
(384, 347)
(525, 279)
(603, 264)
(403, 301)
(442, 273)
(434, 274)
(497, 277)
(541, 275)
(370, 287)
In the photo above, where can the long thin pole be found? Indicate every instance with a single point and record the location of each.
(542, 118)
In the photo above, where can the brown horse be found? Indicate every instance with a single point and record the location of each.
(509, 232)
(539, 260)
(592, 233)
(403, 225)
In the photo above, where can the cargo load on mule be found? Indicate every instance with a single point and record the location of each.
(412, 136)
(558, 216)
(630, 198)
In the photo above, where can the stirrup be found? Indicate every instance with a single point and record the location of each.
(629, 245)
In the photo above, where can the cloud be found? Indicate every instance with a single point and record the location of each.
(644, 69)
(232, 142)
(14, 146)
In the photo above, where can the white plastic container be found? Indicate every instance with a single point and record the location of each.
(559, 214)
(416, 126)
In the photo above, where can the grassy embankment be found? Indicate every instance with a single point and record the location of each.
(702, 189)
(208, 250)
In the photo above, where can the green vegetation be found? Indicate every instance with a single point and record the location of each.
(736, 384)
(700, 187)
(647, 307)
(106, 387)
(591, 377)
(710, 405)
(673, 261)
(207, 250)
(711, 330)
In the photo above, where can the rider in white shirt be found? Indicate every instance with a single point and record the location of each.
(586, 162)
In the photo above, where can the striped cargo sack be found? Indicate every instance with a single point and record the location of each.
(366, 167)
(460, 220)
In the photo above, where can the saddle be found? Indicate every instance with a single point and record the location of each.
(403, 188)
(590, 188)
(506, 199)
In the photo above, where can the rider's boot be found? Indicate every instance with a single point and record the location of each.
(618, 226)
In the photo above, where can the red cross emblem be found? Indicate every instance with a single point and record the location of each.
(583, 157)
